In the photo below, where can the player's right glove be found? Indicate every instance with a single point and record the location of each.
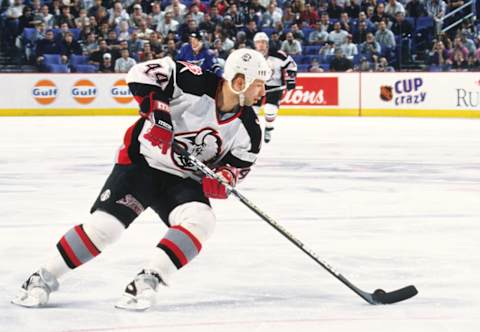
(291, 79)
(212, 188)
(161, 133)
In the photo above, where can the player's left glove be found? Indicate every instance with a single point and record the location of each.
(161, 133)
(212, 188)
(291, 79)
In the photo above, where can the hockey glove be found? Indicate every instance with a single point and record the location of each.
(212, 188)
(291, 79)
(161, 133)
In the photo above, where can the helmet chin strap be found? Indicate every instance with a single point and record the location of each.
(241, 93)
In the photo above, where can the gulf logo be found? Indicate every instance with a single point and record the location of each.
(120, 92)
(44, 92)
(84, 91)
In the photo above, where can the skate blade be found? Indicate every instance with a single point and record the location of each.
(133, 305)
(27, 301)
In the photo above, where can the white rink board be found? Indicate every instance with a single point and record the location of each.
(388, 202)
(433, 91)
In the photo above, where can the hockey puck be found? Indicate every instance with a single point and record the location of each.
(379, 292)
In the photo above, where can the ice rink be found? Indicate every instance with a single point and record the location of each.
(386, 201)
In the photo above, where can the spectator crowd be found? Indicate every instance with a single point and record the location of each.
(334, 35)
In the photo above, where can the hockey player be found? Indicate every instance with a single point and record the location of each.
(284, 73)
(214, 120)
(197, 54)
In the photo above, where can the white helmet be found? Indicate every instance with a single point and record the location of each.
(259, 36)
(250, 63)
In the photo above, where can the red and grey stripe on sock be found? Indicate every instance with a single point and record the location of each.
(180, 245)
(76, 247)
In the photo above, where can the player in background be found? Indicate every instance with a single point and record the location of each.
(209, 116)
(195, 53)
(284, 73)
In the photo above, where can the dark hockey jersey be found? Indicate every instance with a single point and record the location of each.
(214, 137)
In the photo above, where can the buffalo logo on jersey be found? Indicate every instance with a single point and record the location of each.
(204, 145)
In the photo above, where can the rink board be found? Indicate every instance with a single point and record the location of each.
(329, 94)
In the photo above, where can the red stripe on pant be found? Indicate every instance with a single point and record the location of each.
(86, 240)
(177, 252)
(195, 241)
(68, 250)
(123, 158)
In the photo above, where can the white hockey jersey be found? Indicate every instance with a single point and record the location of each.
(214, 137)
(279, 62)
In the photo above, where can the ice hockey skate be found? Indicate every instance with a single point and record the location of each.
(140, 294)
(36, 290)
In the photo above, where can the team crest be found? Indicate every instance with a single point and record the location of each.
(205, 145)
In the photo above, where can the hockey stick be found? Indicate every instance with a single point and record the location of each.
(379, 296)
(278, 88)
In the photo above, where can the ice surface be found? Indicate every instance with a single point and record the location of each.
(386, 201)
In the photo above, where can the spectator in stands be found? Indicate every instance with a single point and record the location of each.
(352, 8)
(327, 50)
(97, 56)
(147, 49)
(197, 15)
(383, 66)
(393, 7)
(92, 10)
(14, 10)
(362, 17)
(167, 23)
(106, 66)
(26, 20)
(218, 50)
(402, 27)
(379, 14)
(229, 27)
(349, 49)
(291, 46)
(138, 16)
(467, 42)
(177, 4)
(117, 14)
(143, 30)
(251, 30)
(207, 24)
(289, 17)
(171, 50)
(340, 63)
(345, 22)
(437, 10)
(135, 45)
(297, 33)
(310, 15)
(123, 31)
(47, 17)
(156, 42)
(473, 63)
(124, 63)
(56, 8)
(156, 14)
(82, 19)
(439, 54)
(315, 66)
(325, 23)
(458, 46)
(47, 46)
(415, 8)
(317, 36)
(186, 29)
(338, 36)
(103, 31)
(90, 44)
(365, 65)
(68, 47)
(384, 36)
(102, 16)
(370, 48)
(360, 34)
(334, 10)
(65, 17)
(459, 61)
(112, 39)
(275, 44)
(370, 12)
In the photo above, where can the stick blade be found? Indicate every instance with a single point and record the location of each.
(382, 297)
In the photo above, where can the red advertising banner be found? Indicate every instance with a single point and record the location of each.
(313, 91)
